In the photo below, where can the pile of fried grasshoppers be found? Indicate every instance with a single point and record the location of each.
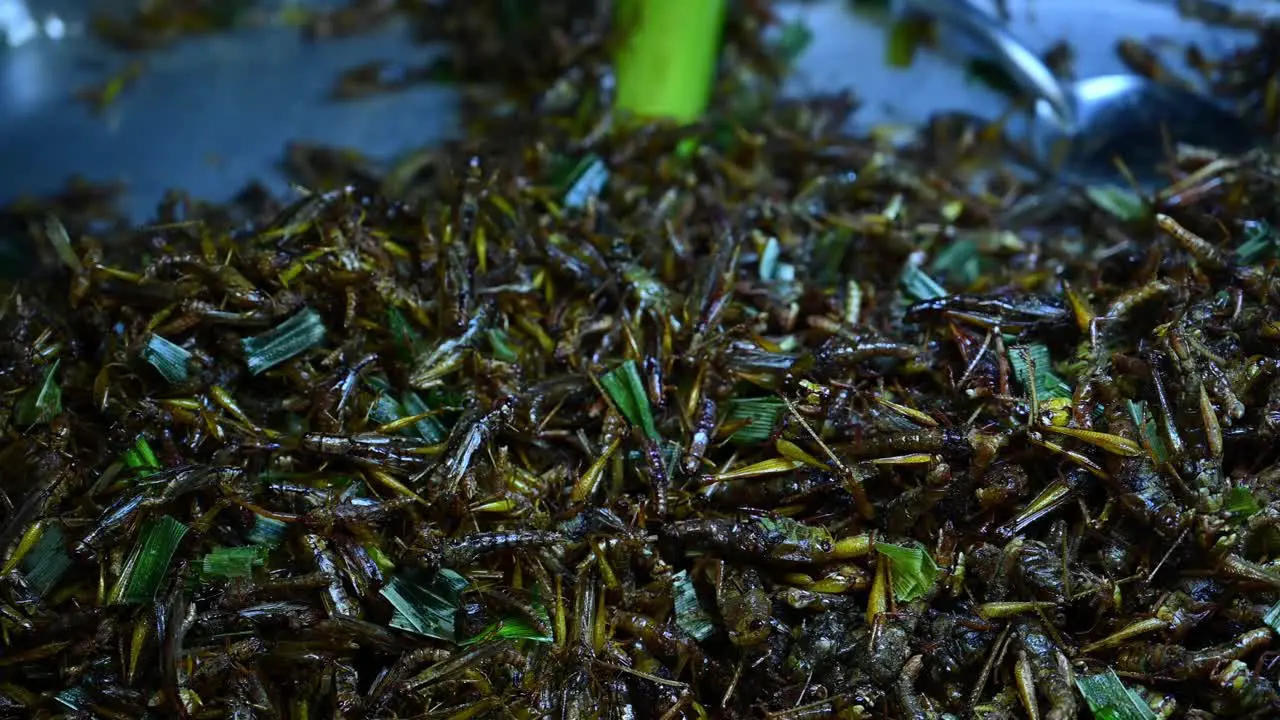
(585, 418)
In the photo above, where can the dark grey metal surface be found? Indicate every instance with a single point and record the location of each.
(213, 113)
(1093, 122)
(849, 51)
(208, 115)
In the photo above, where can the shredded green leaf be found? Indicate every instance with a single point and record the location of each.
(141, 458)
(509, 628)
(233, 562)
(769, 259)
(1047, 383)
(41, 404)
(793, 38)
(267, 531)
(386, 409)
(1150, 432)
(690, 615)
(919, 286)
(292, 337)
(912, 570)
(407, 338)
(1120, 202)
(427, 608)
(145, 453)
(148, 562)
(501, 346)
(959, 261)
(1260, 243)
(47, 562)
(626, 390)
(380, 558)
(169, 359)
(1272, 618)
(762, 414)
(1108, 698)
(56, 233)
(429, 429)
(1241, 503)
(74, 699)
(586, 181)
(687, 147)
(829, 254)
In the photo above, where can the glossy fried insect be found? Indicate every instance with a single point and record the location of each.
(1012, 313)
(767, 539)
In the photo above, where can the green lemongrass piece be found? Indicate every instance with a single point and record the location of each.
(769, 259)
(380, 559)
(148, 562)
(1121, 202)
(586, 180)
(686, 148)
(626, 390)
(1253, 251)
(47, 562)
(1047, 383)
(407, 338)
(691, 617)
(761, 414)
(233, 562)
(267, 531)
(912, 570)
(385, 409)
(509, 628)
(500, 343)
(427, 608)
(291, 337)
(666, 62)
(378, 382)
(1109, 699)
(1272, 618)
(1137, 411)
(1241, 502)
(141, 458)
(145, 453)
(919, 286)
(169, 359)
(828, 255)
(74, 699)
(41, 404)
(1260, 243)
(56, 233)
(429, 429)
(959, 261)
(401, 329)
(521, 629)
(1146, 425)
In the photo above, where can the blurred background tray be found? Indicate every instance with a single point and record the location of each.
(210, 114)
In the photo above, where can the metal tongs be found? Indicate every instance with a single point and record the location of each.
(1087, 129)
